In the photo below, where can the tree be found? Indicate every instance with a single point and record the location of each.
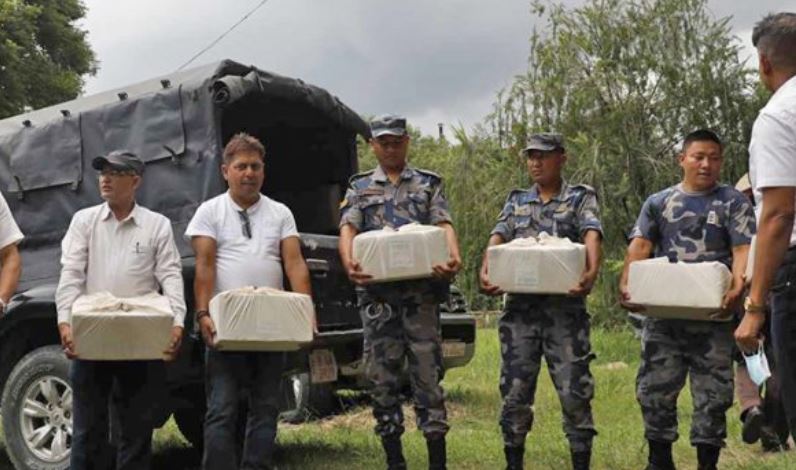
(44, 55)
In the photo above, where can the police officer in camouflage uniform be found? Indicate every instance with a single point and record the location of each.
(697, 220)
(400, 319)
(555, 327)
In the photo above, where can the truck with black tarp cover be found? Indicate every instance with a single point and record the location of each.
(179, 125)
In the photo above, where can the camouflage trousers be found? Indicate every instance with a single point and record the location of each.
(672, 350)
(402, 331)
(556, 328)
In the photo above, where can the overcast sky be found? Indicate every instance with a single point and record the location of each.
(431, 60)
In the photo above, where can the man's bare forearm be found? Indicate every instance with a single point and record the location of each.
(11, 264)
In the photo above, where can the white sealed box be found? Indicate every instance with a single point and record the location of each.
(407, 253)
(261, 319)
(689, 291)
(547, 265)
(109, 328)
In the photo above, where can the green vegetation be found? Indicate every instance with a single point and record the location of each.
(347, 441)
(44, 54)
(623, 80)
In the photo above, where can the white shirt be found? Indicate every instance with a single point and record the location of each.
(772, 150)
(127, 258)
(9, 230)
(242, 261)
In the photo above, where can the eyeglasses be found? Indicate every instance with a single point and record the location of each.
(245, 223)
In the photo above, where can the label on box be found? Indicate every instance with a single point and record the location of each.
(400, 255)
(527, 276)
(453, 349)
(323, 367)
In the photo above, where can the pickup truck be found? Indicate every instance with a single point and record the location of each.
(179, 124)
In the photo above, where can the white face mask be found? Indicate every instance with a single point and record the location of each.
(757, 366)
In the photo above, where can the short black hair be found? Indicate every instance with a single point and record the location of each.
(701, 135)
(775, 37)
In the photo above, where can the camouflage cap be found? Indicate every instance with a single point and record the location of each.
(388, 124)
(120, 160)
(544, 142)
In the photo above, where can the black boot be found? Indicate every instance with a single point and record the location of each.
(514, 457)
(660, 457)
(437, 455)
(707, 456)
(581, 460)
(393, 452)
(752, 422)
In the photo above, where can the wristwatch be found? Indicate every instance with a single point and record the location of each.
(752, 307)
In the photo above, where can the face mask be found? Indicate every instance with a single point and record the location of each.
(757, 366)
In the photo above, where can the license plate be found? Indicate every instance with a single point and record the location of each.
(453, 349)
(323, 367)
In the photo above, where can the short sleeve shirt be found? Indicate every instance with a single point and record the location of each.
(696, 227)
(242, 261)
(373, 202)
(772, 149)
(569, 214)
(9, 230)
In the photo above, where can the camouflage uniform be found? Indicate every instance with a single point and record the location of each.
(553, 326)
(690, 227)
(401, 319)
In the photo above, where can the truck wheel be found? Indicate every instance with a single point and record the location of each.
(37, 411)
(312, 400)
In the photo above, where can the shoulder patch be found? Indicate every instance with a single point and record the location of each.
(515, 194)
(428, 173)
(584, 187)
(361, 174)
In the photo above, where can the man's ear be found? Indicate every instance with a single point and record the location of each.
(765, 64)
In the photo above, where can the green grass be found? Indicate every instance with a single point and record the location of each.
(347, 441)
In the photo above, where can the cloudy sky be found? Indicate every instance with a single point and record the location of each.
(431, 60)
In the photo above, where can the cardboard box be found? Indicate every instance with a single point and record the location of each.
(109, 328)
(407, 253)
(262, 319)
(547, 265)
(689, 291)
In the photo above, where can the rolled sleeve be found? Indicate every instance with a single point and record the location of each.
(589, 215)
(288, 228)
(646, 225)
(505, 224)
(439, 212)
(350, 212)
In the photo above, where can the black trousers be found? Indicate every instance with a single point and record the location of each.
(131, 390)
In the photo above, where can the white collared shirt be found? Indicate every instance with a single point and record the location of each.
(127, 258)
(9, 230)
(772, 150)
(242, 261)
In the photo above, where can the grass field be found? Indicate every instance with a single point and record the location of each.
(346, 441)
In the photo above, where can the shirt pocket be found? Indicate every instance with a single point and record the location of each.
(141, 257)
(418, 205)
(565, 225)
(372, 208)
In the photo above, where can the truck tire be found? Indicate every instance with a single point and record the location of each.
(37, 411)
(312, 400)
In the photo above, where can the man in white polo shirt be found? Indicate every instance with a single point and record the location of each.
(10, 262)
(242, 238)
(772, 171)
(125, 249)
